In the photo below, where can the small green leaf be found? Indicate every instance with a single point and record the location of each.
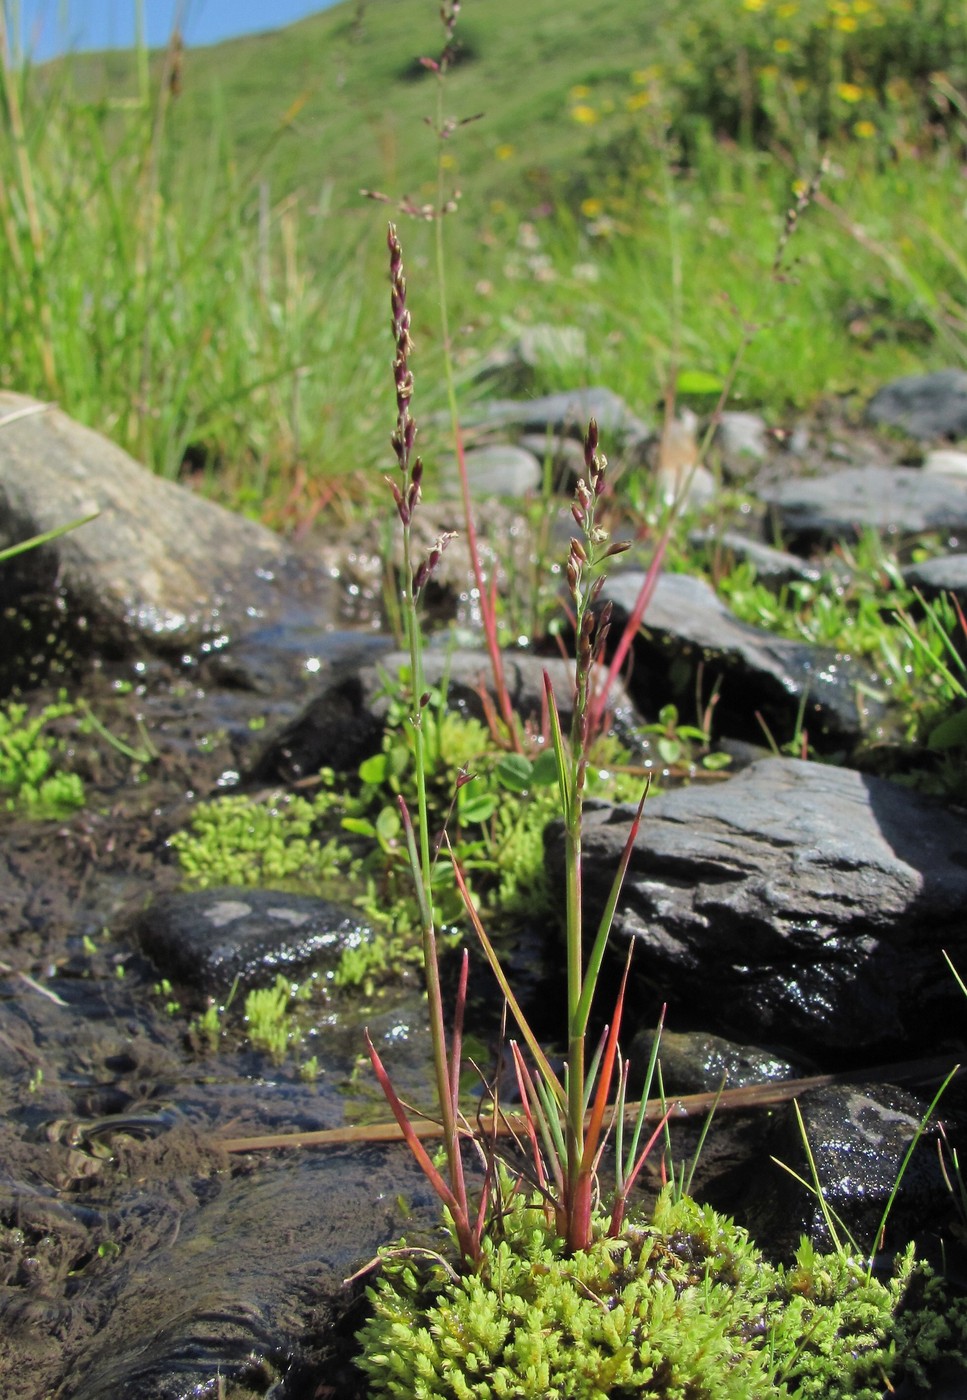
(359, 826)
(544, 769)
(374, 770)
(950, 733)
(476, 806)
(668, 716)
(698, 381)
(515, 772)
(714, 762)
(670, 750)
(388, 824)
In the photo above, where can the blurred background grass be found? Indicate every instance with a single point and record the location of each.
(186, 262)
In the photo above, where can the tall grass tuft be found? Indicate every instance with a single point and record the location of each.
(190, 332)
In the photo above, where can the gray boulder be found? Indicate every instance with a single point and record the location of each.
(160, 569)
(797, 905)
(923, 405)
(893, 500)
(946, 574)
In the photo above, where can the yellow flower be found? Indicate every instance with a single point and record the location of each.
(862, 7)
(783, 46)
(505, 151)
(753, 5)
(578, 92)
(447, 161)
(847, 23)
(587, 116)
(787, 10)
(592, 207)
(642, 76)
(637, 100)
(849, 92)
(864, 130)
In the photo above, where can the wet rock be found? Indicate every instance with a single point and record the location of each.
(245, 1296)
(291, 656)
(772, 566)
(947, 574)
(687, 626)
(893, 500)
(213, 939)
(694, 1062)
(497, 470)
(797, 904)
(160, 569)
(858, 1135)
(923, 405)
(344, 724)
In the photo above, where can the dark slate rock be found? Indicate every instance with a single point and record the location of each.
(923, 405)
(160, 569)
(344, 724)
(858, 1135)
(892, 500)
(774, 567)
(687, 627)
(212, 939)
(694, 1062)
(947, 574)
(797, 904)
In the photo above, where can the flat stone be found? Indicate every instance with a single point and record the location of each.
(923, 405)
(796, 904)
(215, 939)
(686, 626)
(892, 500)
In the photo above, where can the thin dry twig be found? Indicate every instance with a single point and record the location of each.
(752, 1096)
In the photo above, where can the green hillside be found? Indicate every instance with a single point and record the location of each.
(190, 267)
(355, 71)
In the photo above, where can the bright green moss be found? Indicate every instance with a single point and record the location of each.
(30, 779)
(681, 1308)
